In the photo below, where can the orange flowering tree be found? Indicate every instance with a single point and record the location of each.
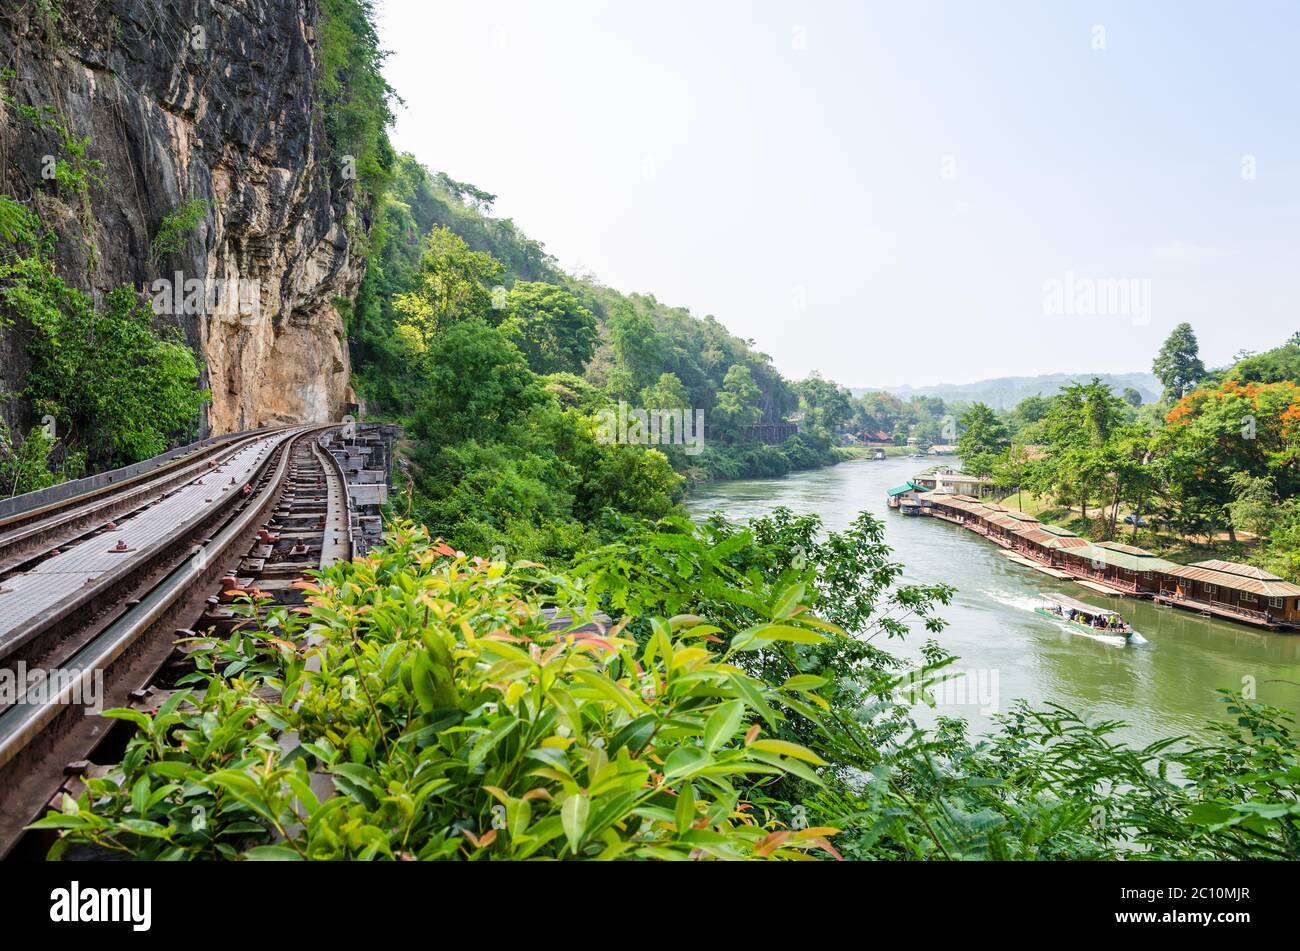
(1217, 432)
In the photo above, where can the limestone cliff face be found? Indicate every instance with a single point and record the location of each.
(186, 100)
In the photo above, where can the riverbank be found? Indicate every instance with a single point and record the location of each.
(755, 460)
(1231, 590)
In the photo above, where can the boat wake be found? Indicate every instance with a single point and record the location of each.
(1138, 639)
(1110, 640)
(1021, 602)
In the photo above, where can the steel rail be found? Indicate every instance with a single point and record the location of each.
(23, 721)
(137, 564)
(87, 507)
(332, 461)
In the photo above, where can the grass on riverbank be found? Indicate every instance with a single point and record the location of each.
(867, 452)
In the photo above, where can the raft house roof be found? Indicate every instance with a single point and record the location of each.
(1123, 556)
(964, 478)
(1239, 577)
(1228, 574)
(1024, 518)
(1032, 533)
(963, 502)
(908, 486)
(1060, 539)
(1013, 521)
(1053, 537)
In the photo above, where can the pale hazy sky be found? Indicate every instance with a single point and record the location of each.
(881, 190)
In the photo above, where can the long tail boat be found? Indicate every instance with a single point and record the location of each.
(1097, 622)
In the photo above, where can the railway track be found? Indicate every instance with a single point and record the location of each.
(27, 531)
(100, 612)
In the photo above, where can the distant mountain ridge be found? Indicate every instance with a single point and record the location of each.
(1006, 391)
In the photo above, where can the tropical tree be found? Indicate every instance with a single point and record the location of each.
(880, 412)
(1215, 433)
(737, 404)
(638, 349)
(551, 328)
(1030, 410)
(1012, 469)
(983, 438)
(826, 406)
(1253, 506)
(1178, 364)
(1078, 430)
(478, 382)
(667, 393)
(453, 283)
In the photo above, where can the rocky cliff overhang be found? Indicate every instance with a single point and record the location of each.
(184, 102)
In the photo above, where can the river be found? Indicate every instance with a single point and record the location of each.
(1165, 687)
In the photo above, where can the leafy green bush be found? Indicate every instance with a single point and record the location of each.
(29, 464)
(722, 570)
(120, 388)
(17, 225)
(176, 228)
(418, 707)
(1049, 784)
(437, 718)
(117, 388)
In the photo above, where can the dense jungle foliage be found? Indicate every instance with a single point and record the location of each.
(500, 366)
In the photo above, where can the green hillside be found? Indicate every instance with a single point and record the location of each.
(1005, 392)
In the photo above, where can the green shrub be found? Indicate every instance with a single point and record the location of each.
(176, 228)
(444, 721)
(1044, 784)
(118, 389)
(29, 464)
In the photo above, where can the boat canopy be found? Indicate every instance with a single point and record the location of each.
(1071, 604)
